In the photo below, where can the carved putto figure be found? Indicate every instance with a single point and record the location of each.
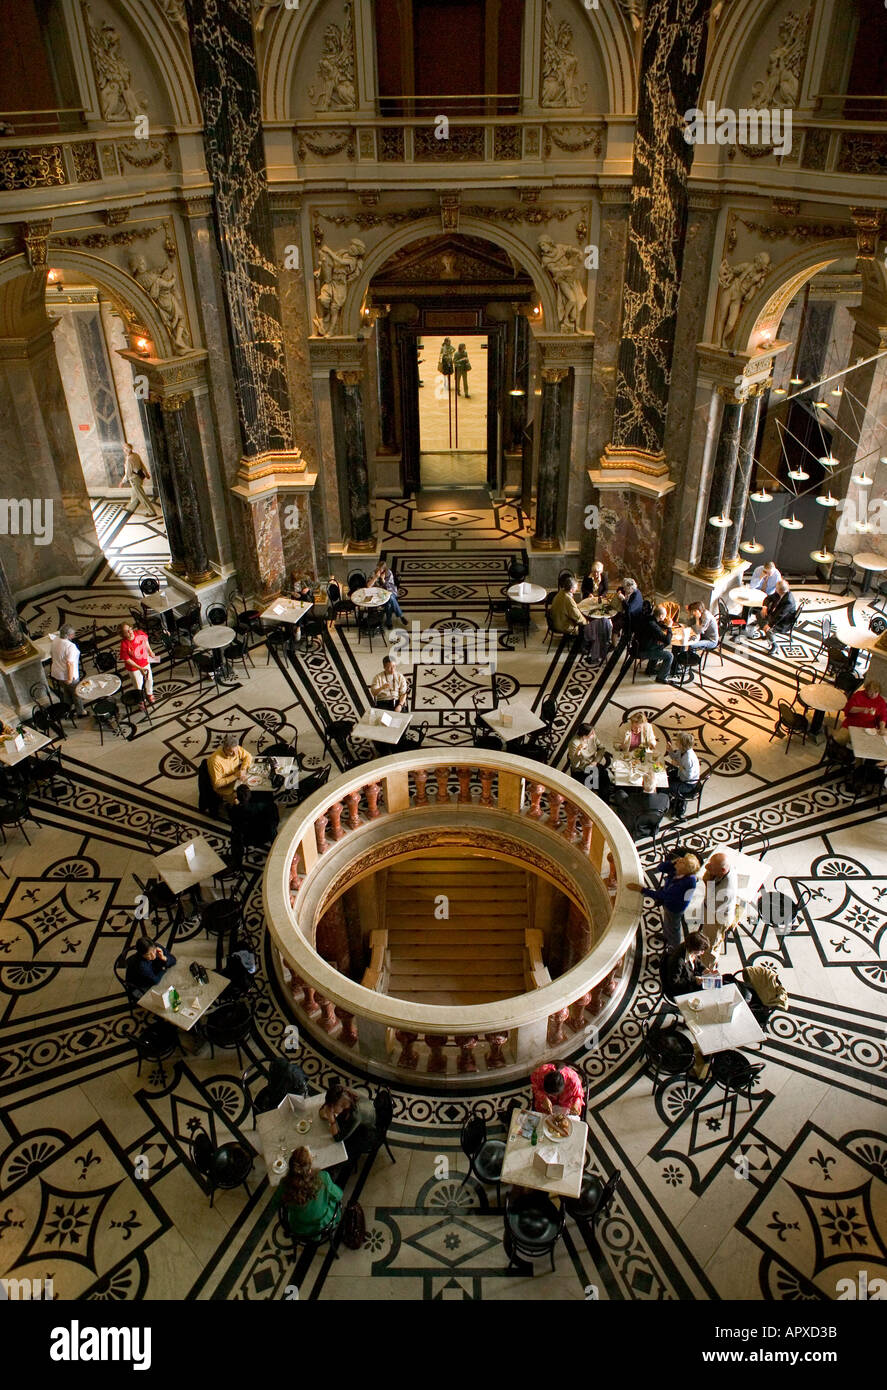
(175, 13)
(117, 98)
(334, 87)
(781, 86)
(633, 11)
(560, 65)
(159, 285)
(738, 283)
(564, 264)
(336, 271)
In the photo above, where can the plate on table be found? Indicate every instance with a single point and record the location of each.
(280, 1165)
(303, 1126)
(253, 779)
(550, 1130)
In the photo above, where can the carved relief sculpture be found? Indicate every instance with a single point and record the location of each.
(159, 285)
(263, 9)
(781, 86)
(335, 273)
(560, 66)
(117, 98)
(564, 265)
(334, 87)
(633, 11)
(738, 283)
(175, 13)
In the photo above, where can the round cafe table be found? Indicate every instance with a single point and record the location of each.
(526, 593)
(370, 598)
(824, 699)
(746, 598)
(869, 563)
(214, 639)
(97, 688)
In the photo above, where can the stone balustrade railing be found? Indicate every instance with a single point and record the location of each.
(515, 809)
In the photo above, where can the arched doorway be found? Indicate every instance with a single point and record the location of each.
(452, 289)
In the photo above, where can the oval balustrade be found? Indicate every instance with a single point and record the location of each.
(508, 807)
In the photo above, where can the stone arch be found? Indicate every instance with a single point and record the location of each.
(766, 307)
(285, 32)
(735, 42)
(139, 312)
(472, 226)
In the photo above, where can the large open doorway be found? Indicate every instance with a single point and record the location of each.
(453, 410)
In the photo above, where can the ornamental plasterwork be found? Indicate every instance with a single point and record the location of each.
(118, 99)
(561, 78)
(334, 86)
(781, 85)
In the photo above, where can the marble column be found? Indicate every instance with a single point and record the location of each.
(720, 490)
(355, 462)
(164, 487)
(550, 460)
(669, 81)
(225, 68)
(13, 642)
(182, 438)
(748, 433)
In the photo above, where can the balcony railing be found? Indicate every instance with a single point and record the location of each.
(500, 803)
(472, 138)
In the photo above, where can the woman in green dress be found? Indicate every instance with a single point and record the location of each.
(310, 1199)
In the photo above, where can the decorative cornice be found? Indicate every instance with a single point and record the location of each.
(275, 471)
(35, 239)
(629, 460)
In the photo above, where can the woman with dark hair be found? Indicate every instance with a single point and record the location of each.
(351, 1120)
(556, 1086)
(682, 970)
(310, 1199)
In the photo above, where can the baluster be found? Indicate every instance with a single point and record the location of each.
(320, 826)
(612, 981)
(329, 1023)
(610, 880)
(437, 1042)
(587, 832)
(555, 801)
(409, 1057)
(572, 817)
(466, 1042)
(296, 988)
(421, 777)
(312, 1008)
(486, 786)
(536, 790)
(336, 818)
(464, 774)
(352, 800)
(443, 777)
(497, 1041)
(348, 1034)
(577, 1013)
(556, 1023)
(372, 791)
(597, 1000)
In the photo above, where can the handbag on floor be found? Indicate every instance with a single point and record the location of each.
(354, 1226)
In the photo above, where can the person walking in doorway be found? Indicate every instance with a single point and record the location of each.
(463, 367)
(136, 474)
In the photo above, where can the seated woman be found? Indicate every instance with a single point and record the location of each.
(351, 1120)
(595, 583)
(254, 821)
(147, 967)
(557, 1087)
(639, 734)
(683, 771)
(310, 1199)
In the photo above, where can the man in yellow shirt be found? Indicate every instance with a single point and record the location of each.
(228, 767)
(565, 614)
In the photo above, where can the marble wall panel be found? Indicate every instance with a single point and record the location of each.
(628, 538)
(73, 373)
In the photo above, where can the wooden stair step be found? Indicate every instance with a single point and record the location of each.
(511, 983)
(456, 997)
(459, 948)
(408, 964)
(406, 892)
(457, 937)
(458, 921)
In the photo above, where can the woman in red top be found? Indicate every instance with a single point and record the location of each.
(555, 1085)
(867, 709)
(136, 655)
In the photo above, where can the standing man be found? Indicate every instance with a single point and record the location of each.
(463, 367)
(136, 474)
(65, 667)
(719, 905)
(389, 688)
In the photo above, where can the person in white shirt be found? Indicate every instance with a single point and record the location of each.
(136, 474)
(389, 688)
(719, 905)
(65, 667)
(765, 577)
(706, 627)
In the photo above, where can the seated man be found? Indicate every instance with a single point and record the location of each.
(705, 625)
(634, 807)
(654, 643)
(778, 613)
(557, 1087)
(146, 968)
(866, 709)
(765, 577)
(389, 687)
(227, 767)
(632, 607)
(564, 611)
(682, 969)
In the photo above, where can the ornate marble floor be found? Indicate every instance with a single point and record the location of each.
(778, 1202)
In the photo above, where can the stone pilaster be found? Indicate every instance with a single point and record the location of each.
(550, 461)
(183, 453)
(385, 380)
(355, 462)
(13, 642)
(748, 433)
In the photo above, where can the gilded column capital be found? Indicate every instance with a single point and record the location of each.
(350, 377)
(169, 404)
(552, 375)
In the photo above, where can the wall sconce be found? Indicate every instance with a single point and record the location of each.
(536, 311)
(53, 276)
(142, 345)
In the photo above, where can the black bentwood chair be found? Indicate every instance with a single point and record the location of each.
(485, 1156)
(224, 1167)
(533, 1226)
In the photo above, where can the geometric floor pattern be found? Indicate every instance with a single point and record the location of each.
(780, 1201)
